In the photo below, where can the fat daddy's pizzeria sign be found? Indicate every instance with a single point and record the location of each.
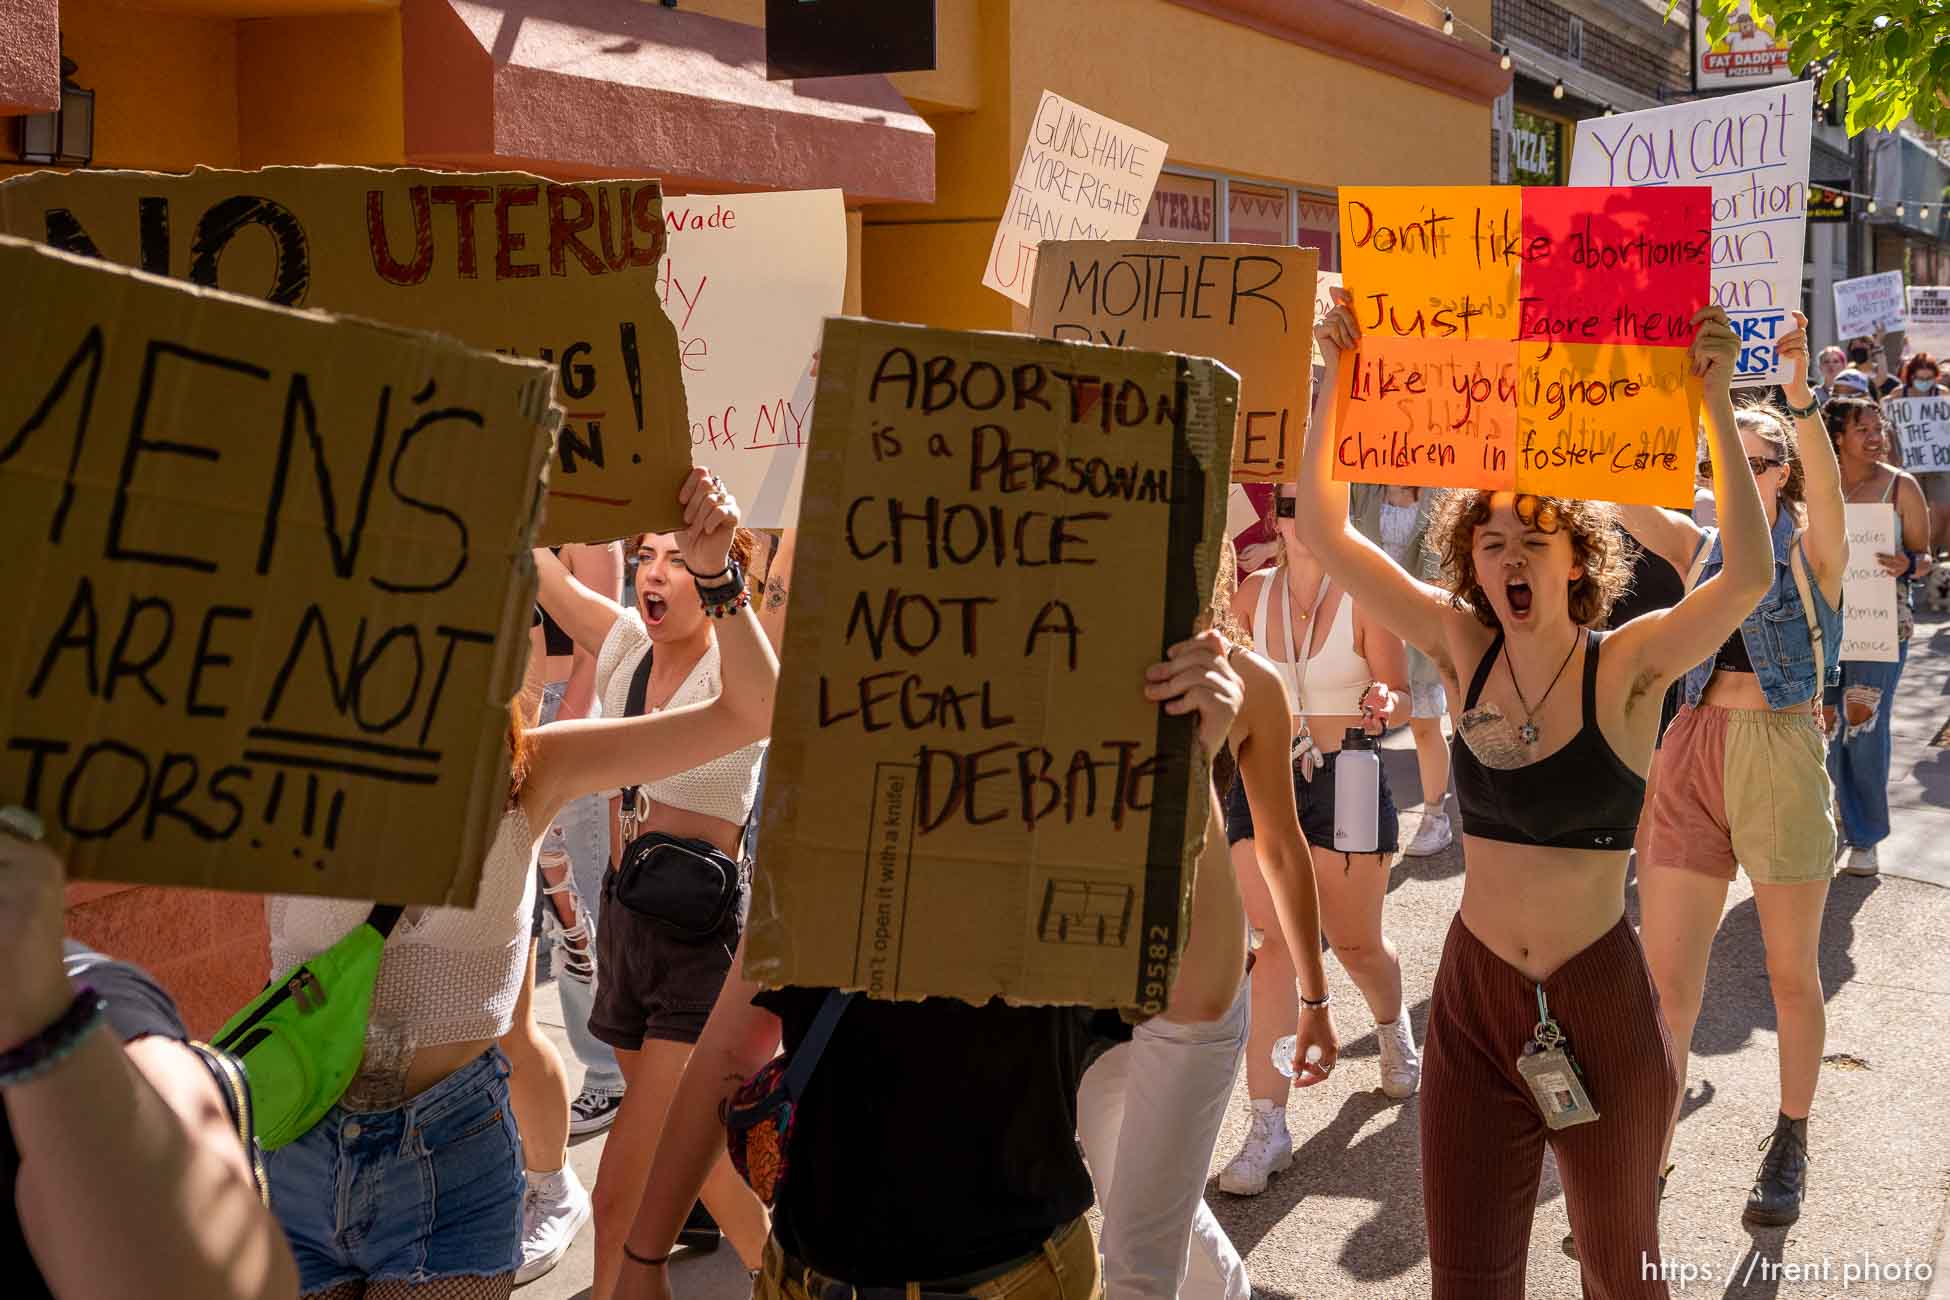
(1524, 339)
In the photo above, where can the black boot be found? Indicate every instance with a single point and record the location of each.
(1775, 1200)
(700, 1230)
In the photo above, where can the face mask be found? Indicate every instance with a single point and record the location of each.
(1858, 355)
(1923, 387)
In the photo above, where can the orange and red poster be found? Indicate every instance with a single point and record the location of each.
(1531, 339)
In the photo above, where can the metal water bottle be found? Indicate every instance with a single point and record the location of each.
(1357, 794)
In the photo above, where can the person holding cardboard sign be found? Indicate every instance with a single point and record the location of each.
(933, 1145)
(1339, 669)
(1544, 1023)
(424, 1139)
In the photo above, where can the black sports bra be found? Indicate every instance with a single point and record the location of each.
(1581, 797)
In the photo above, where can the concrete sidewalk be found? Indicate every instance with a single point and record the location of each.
(1346, 1221)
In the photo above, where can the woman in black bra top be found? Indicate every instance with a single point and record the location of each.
(1543, 1024)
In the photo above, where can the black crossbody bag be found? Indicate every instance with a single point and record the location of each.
(686, 888)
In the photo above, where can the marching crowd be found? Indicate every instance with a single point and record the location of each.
(1627, 690)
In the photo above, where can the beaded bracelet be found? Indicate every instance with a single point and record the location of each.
(46, 1049)
(721, 600)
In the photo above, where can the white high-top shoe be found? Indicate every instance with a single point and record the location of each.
(1267, 1150)
(1401, 1064)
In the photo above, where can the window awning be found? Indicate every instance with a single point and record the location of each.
(612, 87)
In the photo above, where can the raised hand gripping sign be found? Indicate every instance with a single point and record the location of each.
(566, 272)
(269, 586)
(1523, 339)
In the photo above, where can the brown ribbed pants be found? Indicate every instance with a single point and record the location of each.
(1483, 1136)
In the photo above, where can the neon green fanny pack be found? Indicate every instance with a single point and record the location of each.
(302, 1038)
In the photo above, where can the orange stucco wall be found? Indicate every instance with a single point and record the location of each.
(321, 90)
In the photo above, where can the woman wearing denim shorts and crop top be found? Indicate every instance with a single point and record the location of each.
(1544, 1024)
(1741, 778)
(412, 1184)
(654, 990)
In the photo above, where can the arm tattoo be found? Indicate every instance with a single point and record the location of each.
(775, 594)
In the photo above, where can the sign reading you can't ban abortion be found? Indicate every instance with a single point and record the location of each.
(1524, 339)
(1249, 305)
(998, 535)
(268, 588)
(567, 272)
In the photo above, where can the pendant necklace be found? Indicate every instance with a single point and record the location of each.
(1528, 731)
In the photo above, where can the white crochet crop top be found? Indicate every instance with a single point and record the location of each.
(447, 974)
(724, 788)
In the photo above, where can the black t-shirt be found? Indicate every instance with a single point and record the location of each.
(935, 1138)
(137, 1007)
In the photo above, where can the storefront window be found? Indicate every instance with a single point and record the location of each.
(1319, 224)
(1182, 207)
(1255, 214)
(1536, 149)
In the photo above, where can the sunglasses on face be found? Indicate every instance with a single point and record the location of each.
(1758, 464)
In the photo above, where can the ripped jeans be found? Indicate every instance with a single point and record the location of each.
(1858, 752)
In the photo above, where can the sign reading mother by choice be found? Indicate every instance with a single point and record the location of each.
(268, 585)
(567, 272)
(997, 536)
(1527, 339)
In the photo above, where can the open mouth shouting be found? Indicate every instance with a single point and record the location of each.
(654, 609)
(1517, 592)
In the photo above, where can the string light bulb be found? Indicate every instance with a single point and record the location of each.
(1899, 209)
(1609, 110)
(1872, 205)
(1504, 62)
(1448, 22)
(1557, 91)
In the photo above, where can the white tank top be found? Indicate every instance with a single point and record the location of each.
(1335, 678)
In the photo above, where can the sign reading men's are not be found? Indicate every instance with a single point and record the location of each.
(268, 585)
(566, 272)
(1249, 305)
(969, 790)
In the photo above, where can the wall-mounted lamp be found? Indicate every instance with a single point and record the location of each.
(67, 135)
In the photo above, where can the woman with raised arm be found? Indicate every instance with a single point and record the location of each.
(1339, 671)
(1859, 750)
(1741, 776)
(1541, 968)
(423, 1144)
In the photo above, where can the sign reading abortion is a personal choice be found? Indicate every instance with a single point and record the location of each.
(1753, 149)
(1249, 305)
(1525, 339)
(998, 535)
(268, 585)
(567, 272)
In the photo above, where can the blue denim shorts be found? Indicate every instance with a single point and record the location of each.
(424, 1191)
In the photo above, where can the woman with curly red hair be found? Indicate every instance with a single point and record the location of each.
(1544, 1024)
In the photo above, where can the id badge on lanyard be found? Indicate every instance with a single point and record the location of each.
(1555, 1078)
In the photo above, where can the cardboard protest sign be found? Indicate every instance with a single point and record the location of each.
(1929, 319)
(1753, 150)
(503, 260)
(1249, 305)
(269, 585)
(1325, 282)
(969, 795)
(1922, 429)
(747, 280)
(1522, 339)
(1870, 303)
(1081, 176)
(1868, 589)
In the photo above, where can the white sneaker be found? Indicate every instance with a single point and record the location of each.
(1862, 861)
(1401, 1064)
(1267, 1150)
(554, 1209)
(1431, 837)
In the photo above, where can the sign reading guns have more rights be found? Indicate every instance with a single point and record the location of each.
(998, 536)
(268, 585)
(567, 272)
(1532, 340)
(1249, 305)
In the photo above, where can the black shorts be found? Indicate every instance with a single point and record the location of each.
(650, 985)
(1316, 802)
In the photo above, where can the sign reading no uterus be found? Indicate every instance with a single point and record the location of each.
(1753, 150)
(1082, 176)
(749, 280)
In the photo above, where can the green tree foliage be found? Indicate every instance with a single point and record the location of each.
(1894, 55)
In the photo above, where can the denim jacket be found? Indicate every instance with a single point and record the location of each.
(1776, 632)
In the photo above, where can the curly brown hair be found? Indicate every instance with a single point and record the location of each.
(1595, 544)
(519, 750)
